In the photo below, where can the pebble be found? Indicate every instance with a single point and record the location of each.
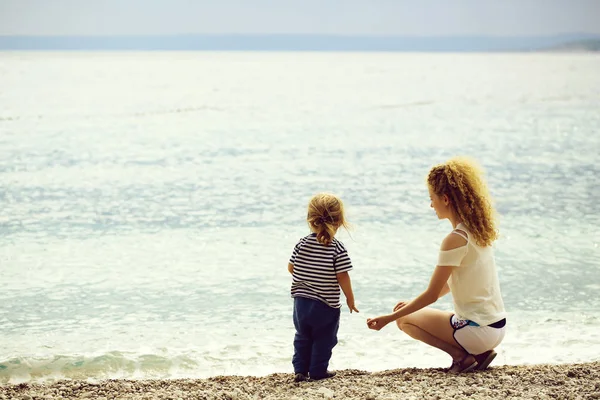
(327, 393)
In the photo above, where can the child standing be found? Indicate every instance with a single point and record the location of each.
(319, 266)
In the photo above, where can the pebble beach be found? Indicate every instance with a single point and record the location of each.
(567, 381)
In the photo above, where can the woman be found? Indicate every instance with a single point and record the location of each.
(465, 267)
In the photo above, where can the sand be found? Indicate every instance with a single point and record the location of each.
(567, 381)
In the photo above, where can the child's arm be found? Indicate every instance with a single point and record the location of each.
(290, 268)
(346, 285)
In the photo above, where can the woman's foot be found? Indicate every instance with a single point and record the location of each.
(468, 363)
(484, 359)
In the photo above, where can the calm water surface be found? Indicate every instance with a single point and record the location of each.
(150, 202)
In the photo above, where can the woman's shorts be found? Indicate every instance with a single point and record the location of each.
(476, 339)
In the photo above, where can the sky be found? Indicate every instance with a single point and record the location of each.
(334, 17)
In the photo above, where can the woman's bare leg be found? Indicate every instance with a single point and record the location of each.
(432, 326)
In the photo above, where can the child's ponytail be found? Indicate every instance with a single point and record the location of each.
(325, 216)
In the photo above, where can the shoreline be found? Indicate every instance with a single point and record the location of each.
(561, 381)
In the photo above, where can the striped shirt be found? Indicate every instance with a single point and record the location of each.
(315, 269)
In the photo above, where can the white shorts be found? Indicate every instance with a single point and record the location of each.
(476, 339)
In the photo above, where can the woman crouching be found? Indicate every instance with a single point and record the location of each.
(465, 268)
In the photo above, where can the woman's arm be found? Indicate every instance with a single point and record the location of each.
(438, 287)
(445, 290)
(438, 281)
(290, 268)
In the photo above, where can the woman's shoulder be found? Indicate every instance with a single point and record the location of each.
(454, 240)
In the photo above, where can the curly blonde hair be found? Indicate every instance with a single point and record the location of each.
(461, 179)
(325, 216)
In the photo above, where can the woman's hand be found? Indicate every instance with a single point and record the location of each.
(378, 323)
(400, 305)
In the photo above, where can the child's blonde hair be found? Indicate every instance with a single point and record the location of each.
(461, 179)
(325, 216)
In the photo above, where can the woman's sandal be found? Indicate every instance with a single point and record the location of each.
(484, 359)
(459, 367)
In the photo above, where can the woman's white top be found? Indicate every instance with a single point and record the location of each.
(474, 282)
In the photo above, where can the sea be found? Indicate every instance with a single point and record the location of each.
(150, 201)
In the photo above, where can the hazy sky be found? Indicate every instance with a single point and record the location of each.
(344, 17)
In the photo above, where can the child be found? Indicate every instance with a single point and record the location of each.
(319, 266)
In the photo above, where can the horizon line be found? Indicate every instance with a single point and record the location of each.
(332, 35)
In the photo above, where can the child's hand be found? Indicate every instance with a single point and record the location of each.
(351, 306)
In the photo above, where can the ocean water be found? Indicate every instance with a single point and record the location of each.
(150, 203)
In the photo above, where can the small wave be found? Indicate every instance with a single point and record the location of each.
(173, 111)
(111, 365)
(406, 105)
(138, 114)
(9, 118)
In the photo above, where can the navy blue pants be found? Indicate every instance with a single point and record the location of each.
(316, 335)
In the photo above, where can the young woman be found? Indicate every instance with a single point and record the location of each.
(465, 267)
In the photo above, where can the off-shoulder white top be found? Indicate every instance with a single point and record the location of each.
(474, 283)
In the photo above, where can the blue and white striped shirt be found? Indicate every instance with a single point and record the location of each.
(315, 269)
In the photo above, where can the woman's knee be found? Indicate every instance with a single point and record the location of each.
(401, 323)
(421, 319)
